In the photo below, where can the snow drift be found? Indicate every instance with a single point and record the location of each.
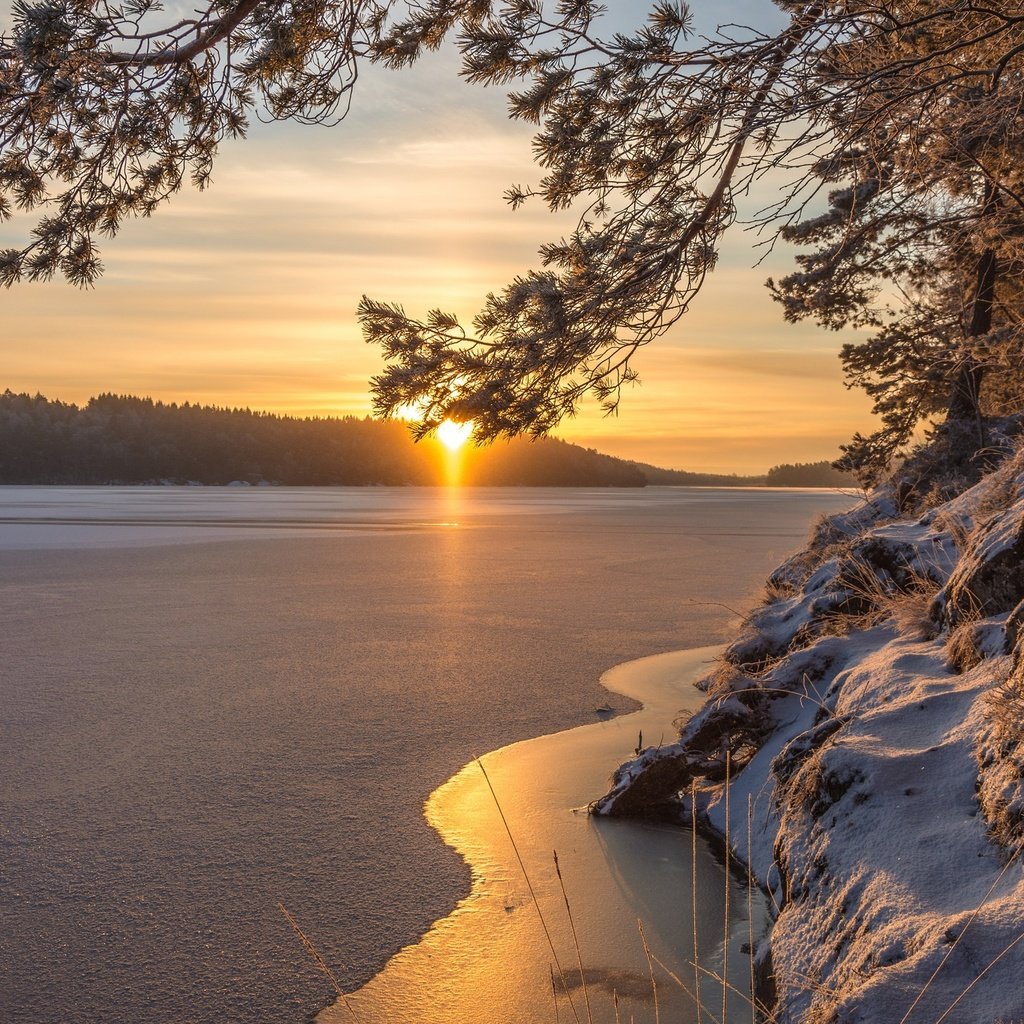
(870, 722)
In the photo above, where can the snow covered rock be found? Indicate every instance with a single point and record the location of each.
(989, 578)
(873, 713)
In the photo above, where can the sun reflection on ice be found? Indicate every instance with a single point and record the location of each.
(490, 961)
(453, 437)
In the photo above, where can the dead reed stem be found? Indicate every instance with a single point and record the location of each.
(554, 992)
(963, 931)
(529, 885)
(679, 981)
(806, 983)
(650, 967)
(750, 904)
(575, 940)
(693, 894)
(725, 912)
(1006, 949)
(317, 958)
(732, 988)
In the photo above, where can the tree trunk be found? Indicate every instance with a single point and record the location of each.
(964, 402)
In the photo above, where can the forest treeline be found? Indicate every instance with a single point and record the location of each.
(129, 440)
(788, 474)
(122, 439)
(809, 474)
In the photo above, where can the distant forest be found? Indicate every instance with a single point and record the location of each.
(121, 439)
(809, 474)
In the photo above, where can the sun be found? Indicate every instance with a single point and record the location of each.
(454, 435)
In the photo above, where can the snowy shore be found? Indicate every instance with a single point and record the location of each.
(870, 720)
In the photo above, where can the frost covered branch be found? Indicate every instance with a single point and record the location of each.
(909, 113)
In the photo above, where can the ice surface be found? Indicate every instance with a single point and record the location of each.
(255, 709)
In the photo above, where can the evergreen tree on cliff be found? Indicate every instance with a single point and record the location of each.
(922, 239)
(911, 109)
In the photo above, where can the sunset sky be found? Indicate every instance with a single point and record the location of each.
(245, 295)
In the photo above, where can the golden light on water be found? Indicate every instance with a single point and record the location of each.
(451, 435)
(454, 435)
(490, 959)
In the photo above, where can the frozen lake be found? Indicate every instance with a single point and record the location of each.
(212, 700)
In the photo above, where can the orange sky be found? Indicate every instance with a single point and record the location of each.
(245, 294)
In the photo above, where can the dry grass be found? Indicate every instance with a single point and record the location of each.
(963, 650)
(575, 937)
(759, 1012)
(320, 962)
(955, 943)
(1006, 709)
(807, 787)
(956, 526)
(777, 589)
(1001, 764)
(911, 612)
(1001, 494)
(872, 601)
(533, 894)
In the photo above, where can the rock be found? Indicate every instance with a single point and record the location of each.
(651, 793)
(753, 650)
(889, 558)
(794, 754)
(1012, 628)
(989, 578)
(650, 784)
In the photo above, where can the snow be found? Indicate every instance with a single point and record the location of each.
(885, 792)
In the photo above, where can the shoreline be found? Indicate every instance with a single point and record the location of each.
(881, 783)
(491, 949)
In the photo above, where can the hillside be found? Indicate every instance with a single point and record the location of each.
(809, 474)
(872, 713)
(683, 478)
(799, 474)
(129, 440)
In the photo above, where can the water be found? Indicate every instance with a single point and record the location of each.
(216, 699)
(507, 952)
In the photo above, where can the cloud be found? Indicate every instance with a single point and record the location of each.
(245, 294)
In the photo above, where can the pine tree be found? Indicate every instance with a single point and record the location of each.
(908, 110)
(922, 240)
